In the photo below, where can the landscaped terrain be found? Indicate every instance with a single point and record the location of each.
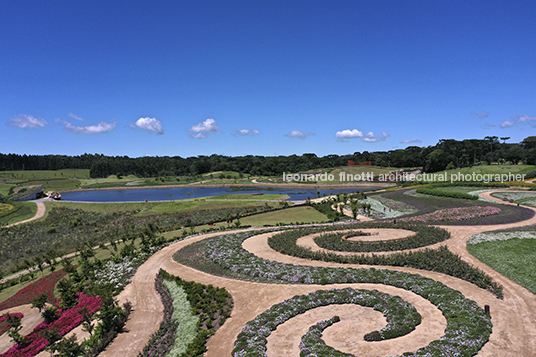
(166, 276)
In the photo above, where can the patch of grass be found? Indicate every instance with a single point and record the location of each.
(43, 174)
(490, 169)
(6, 208)
(514, 258)
(303, 214)
(27, 210)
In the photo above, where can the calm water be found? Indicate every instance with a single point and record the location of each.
(180, 193)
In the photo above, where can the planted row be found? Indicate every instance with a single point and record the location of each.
(210, 306)
(424, 235)
(402, 317)
(468, 326)
(440, 260)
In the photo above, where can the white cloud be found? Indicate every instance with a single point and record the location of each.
(27, 122)
(207, 126)
(506, 124)
(416, 141)
(250, 132)
(371, 138)
(76, 117)
(102, 127)
(348, 134)
(524, 118)
(198, 136)
(149, 124)
(298, 134)
(516, 119)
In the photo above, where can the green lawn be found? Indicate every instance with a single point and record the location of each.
(27, 210)
(490, 169)
(514, 258)
(43, 174)
(286, 216)
(157, 207)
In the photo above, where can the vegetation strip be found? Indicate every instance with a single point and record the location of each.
(402, 317)
(425, 235)
(440, 260)
(192, 313)
(468, 326)
(312, 345)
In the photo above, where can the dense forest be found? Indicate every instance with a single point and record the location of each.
(446, 154)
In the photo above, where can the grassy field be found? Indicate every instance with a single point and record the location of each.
(146, 208)
(287, 216)
(514, 258)
(27, 210)
(490, 169)
(44, 174)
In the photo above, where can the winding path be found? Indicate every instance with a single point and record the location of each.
(41, 209)
(514, 318)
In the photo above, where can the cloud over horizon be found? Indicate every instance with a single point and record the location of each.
(298, 134)
(207, 126)
(148, 124)
(24, 121)
(516, 119)
(371, 138)
(102, 127)
(349, 134)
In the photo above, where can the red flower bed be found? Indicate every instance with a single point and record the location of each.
(4, 325)
(68, 320)
(31, 292)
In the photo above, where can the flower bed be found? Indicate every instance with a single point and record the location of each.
(192, 313)
(402, 317)
(440, 260)
(455, 214)
(429, 204)
(425, 235)
(28, 295)
(468, 326)
(4, 325)
(68, 320)
(312, 345)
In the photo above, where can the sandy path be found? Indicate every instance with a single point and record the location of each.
(41, 209)
(514, 318)
(31, 318)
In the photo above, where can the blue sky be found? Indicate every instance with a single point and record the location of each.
(188, 78)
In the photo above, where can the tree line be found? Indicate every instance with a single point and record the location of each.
(446, 154)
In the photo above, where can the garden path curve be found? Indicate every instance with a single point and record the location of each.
(514, 318)
(41, 209)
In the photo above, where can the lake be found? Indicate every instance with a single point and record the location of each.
(180, 193)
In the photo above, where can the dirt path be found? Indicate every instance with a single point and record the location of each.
(514, 318)
(41, 209)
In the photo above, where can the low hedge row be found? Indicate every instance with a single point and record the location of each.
(440, 260)
(424, 235)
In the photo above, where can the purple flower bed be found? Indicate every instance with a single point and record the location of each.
(454, 214)
(426, 205)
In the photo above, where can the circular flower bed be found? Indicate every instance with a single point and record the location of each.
(468, 326)
(402, 317)
(424, 235)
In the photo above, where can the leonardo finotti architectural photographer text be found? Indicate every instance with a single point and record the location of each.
(404, 177)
